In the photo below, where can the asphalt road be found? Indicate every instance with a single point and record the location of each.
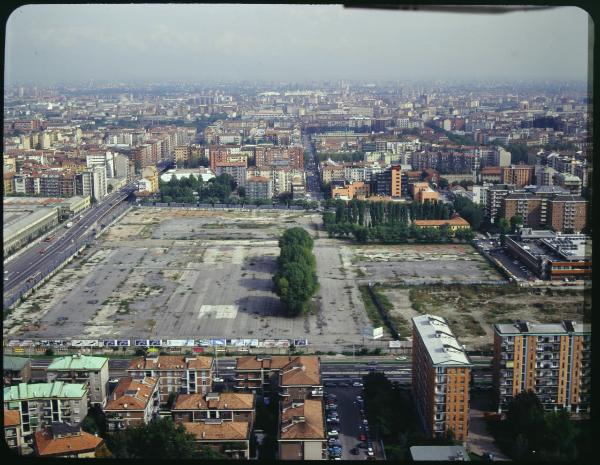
(313, 181)
(49, 255)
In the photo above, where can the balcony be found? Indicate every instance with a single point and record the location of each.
(317, 392)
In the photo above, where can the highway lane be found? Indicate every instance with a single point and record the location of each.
(45, 255)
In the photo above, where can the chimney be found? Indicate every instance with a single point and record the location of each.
(203, 434)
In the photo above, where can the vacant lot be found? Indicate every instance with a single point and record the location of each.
(472, 309)
(423, 264)
(167, 273)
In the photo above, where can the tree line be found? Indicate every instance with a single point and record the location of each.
(390, 222)
(296, 278)
(193, 189)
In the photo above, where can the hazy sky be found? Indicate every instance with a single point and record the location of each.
(49, 44)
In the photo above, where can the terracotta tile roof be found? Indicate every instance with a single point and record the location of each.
(459, 221)
(11, 418)
(491, 170)
(123, 394)
(252, 362)
(46, 445)
(302, 370)
(224, 431)
(227, 400)
(170, 362)
(310, 427)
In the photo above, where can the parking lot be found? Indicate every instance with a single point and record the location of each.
(350, 426)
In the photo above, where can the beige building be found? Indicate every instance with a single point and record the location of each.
(302, 431)
(134, 402)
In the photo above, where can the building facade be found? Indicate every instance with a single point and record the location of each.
(441, 374)
(553, 360)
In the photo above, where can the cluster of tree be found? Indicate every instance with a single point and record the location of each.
(389, 222)
(196, 161)
(518, 152)
(159, 439)
(341, 156)
(392, 417)
(530, 433)
(296, 277)
(469, 210)
(192, 189)
(454, 138)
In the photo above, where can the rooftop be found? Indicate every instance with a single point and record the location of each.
(304, 421)
(131, 394)
(525, 327)
(219, 431)
(78, 362)
(14, 363)
(171, 362)
(220, 401)
(11, 418)
(46, 445)
(57, 389)
(442, 346)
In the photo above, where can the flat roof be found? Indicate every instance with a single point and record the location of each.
(441, 344)
(527, 327)
(16, 222)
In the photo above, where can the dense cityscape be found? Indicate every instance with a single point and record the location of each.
(335, 269)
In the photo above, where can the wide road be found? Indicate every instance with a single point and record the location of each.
(313, 180)
(40, 258)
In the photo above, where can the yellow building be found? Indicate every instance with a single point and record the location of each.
(150, 173)
(422, 192)
(358, 189)
(455, 223)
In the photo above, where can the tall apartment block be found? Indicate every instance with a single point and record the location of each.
(441, 373)
(553, 360)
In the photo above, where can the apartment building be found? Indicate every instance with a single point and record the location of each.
(261, 372)
(16, 370)
(12, 430)
(237, 170)
(230, 438)
(62, 440)
(302, 430)
(356, 189)
(552, 359)
(43, 403)
(178, 374)
(227, 406)
(567, 213)
(301, 378)
(519, 175)
(92, 371)
(441, 376)
(526, 205)
(134, 402)
(493, 202)
(421, 192)
(259, 187)
(279, 156)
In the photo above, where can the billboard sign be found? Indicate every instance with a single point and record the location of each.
(395, 344)
(377, 332)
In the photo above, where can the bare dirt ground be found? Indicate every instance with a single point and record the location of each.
(169, 273)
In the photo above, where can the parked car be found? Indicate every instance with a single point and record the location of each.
(359, 398)
(362, 437)
(365, 422)
(333, 433)
(357, 384)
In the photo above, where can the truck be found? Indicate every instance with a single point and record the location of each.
(69, 224)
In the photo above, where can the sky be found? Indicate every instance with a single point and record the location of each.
(48, 44)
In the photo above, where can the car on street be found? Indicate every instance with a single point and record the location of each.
(332, 433)
(113, 380)
(362, 437)
(359, 398)
(344, 384)
(365, 422)
(370, 451)
(354, 451)
(401, 358)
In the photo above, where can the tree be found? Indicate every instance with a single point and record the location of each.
(515, 222)
(443, 183)
(504, 226)
(159, 439)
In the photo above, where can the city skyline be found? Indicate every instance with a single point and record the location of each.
(210, 42)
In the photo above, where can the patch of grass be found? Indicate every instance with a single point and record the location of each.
(370, 307)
